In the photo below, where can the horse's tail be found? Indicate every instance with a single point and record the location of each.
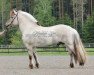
(80, 53)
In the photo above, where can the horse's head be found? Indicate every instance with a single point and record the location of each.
(16, 15)
(13, 18)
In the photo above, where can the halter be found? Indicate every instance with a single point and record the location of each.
(12, 20)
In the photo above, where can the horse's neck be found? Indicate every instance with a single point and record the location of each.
(26, 25)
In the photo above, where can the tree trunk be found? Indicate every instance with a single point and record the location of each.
(61, 11)
(90, 7)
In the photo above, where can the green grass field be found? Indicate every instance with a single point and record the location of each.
(20, 52)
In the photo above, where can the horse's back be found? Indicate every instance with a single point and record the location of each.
(59, 30)
(64, 29)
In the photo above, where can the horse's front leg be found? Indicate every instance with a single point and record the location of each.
(36, 61)
(30, 58)
(30, 62)
(30, 52)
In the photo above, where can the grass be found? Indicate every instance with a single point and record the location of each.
(49, 51)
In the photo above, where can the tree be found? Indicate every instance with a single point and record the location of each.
(4, 8)
(88, 34)
(43, 12)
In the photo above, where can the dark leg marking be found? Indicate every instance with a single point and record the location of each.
(71, 61)
(71, 65)
(37, 64)
(81, 64)
(30, 63)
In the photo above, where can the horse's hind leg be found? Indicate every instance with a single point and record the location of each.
(37, 64)
(70, 50)
(71, 61)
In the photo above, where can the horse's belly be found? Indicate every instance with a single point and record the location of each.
(44, 41)
(41, 41)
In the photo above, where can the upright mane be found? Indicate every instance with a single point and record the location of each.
(28, 16)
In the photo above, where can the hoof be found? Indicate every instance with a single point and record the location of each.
(71, 65)
(37, 65)
(31, 66)
(81, 64)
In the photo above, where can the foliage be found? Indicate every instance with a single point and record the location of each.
(1, 39)
(43, 12)
(88, 33)
(65, 20)
(4, 5)
(15, 37)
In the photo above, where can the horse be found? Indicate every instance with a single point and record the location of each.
(34, 35)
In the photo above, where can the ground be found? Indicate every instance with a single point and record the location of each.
(49, 65)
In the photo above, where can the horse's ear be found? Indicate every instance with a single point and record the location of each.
(13, 12)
